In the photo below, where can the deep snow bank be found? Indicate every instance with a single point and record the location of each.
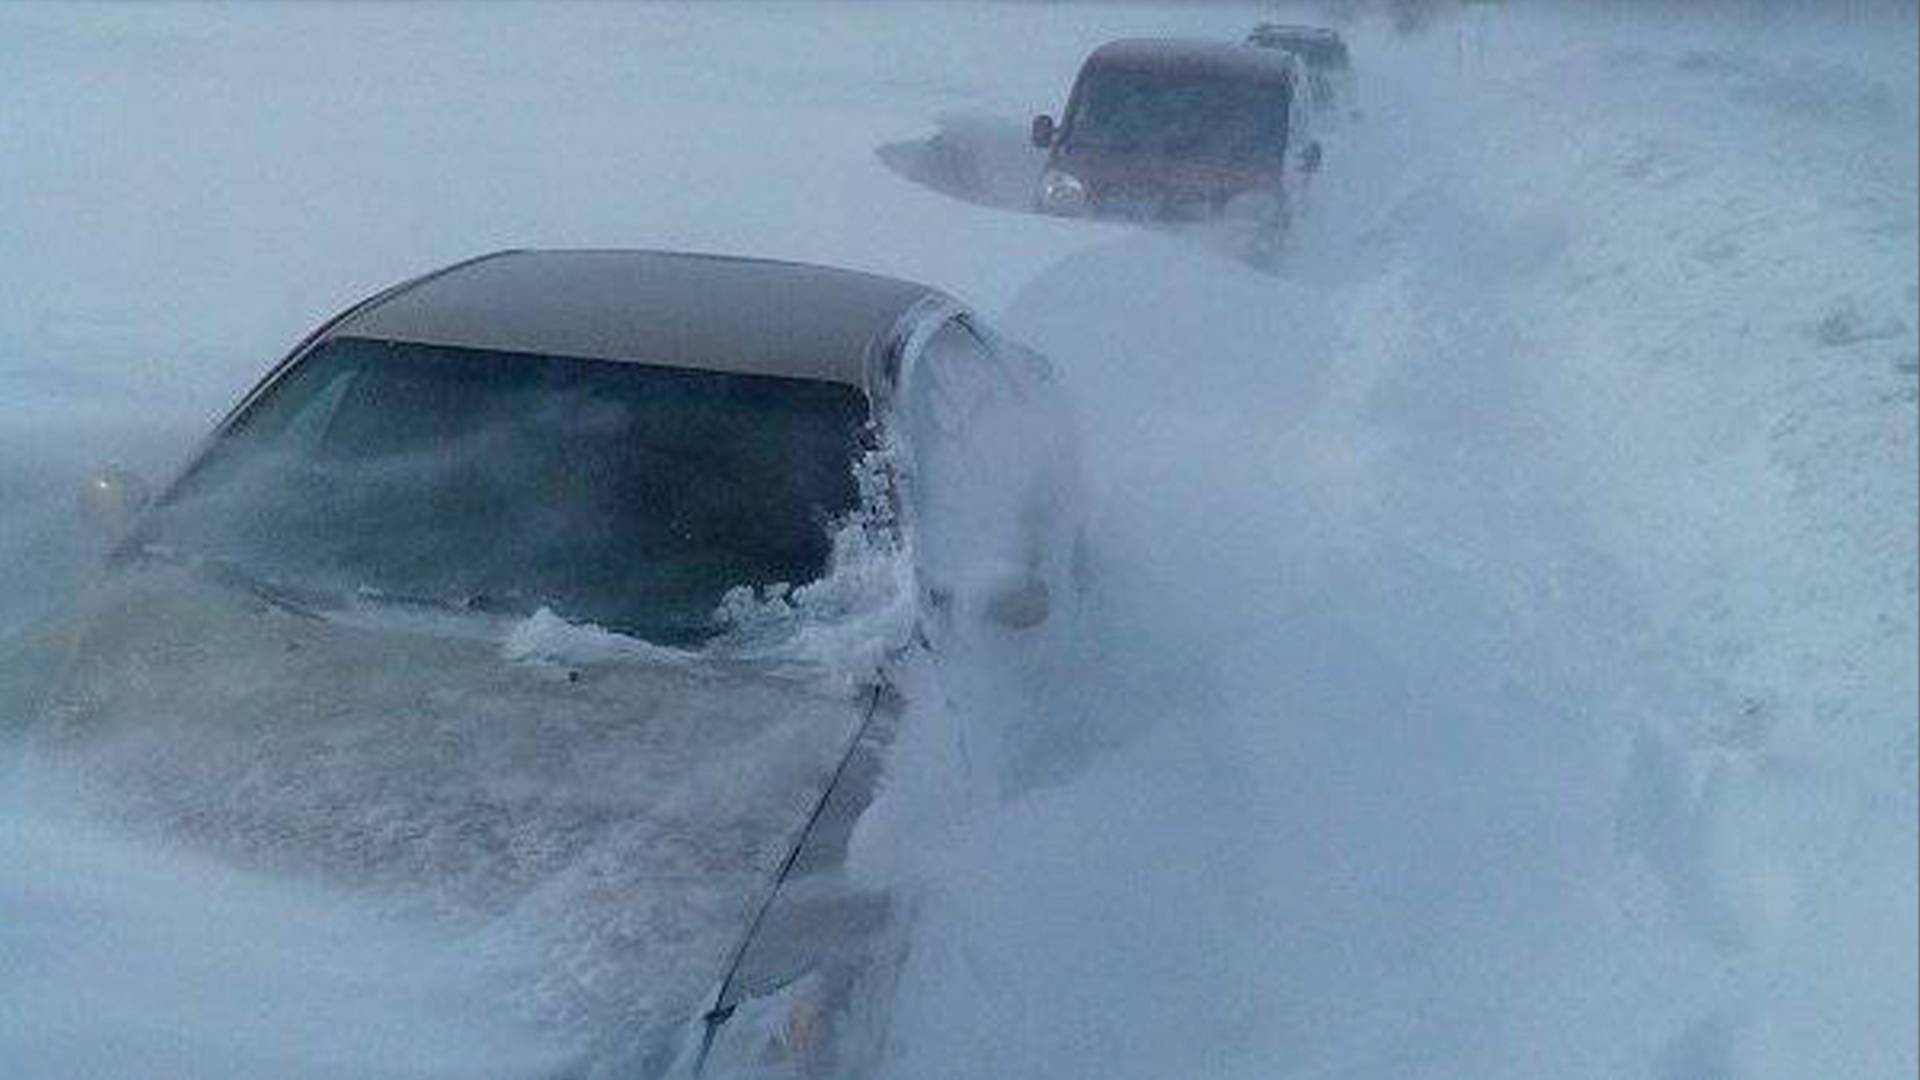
(128, 961)
(1739, 298)
(1511, 635)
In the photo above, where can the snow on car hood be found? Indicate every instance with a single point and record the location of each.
(624, 813)
(1121, 172)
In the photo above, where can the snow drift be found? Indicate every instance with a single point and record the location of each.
(1501, 654)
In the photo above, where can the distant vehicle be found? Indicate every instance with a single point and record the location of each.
(547, 586)
(1323, 54)
(1177, 130)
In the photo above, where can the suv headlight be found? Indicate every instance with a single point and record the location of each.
(1061, 192)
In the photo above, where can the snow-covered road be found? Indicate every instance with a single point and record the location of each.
(1503, 661)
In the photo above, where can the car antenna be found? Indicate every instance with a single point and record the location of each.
(721, 1012)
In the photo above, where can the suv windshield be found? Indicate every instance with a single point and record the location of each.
(618, 493)
(1205, 115)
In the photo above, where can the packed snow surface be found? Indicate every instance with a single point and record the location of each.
(1500, 657)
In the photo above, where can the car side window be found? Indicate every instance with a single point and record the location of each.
(958, 378)
(981, 443)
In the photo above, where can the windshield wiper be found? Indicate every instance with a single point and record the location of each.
(477, 603)
(228, 572)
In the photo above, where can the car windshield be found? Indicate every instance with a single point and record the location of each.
(617, 493)
(1207, 115)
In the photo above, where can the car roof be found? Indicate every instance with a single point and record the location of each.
(1319, 47)
(672, 309)
(1189, 54)
(1298, 31)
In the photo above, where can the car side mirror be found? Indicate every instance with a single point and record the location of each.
(1019, 603)
(113, 498)
(1043, 131)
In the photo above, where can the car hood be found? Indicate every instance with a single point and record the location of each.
(626, 815)
(1109, 173)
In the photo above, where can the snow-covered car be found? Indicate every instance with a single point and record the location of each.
(1323, 54)
(561, 594)
(1178, 130)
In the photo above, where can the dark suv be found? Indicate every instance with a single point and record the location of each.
(1175, 130)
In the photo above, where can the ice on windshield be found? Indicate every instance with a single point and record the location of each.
(626, 495)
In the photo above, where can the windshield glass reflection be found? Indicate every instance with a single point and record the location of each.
(622, 494)
(1210, 117)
